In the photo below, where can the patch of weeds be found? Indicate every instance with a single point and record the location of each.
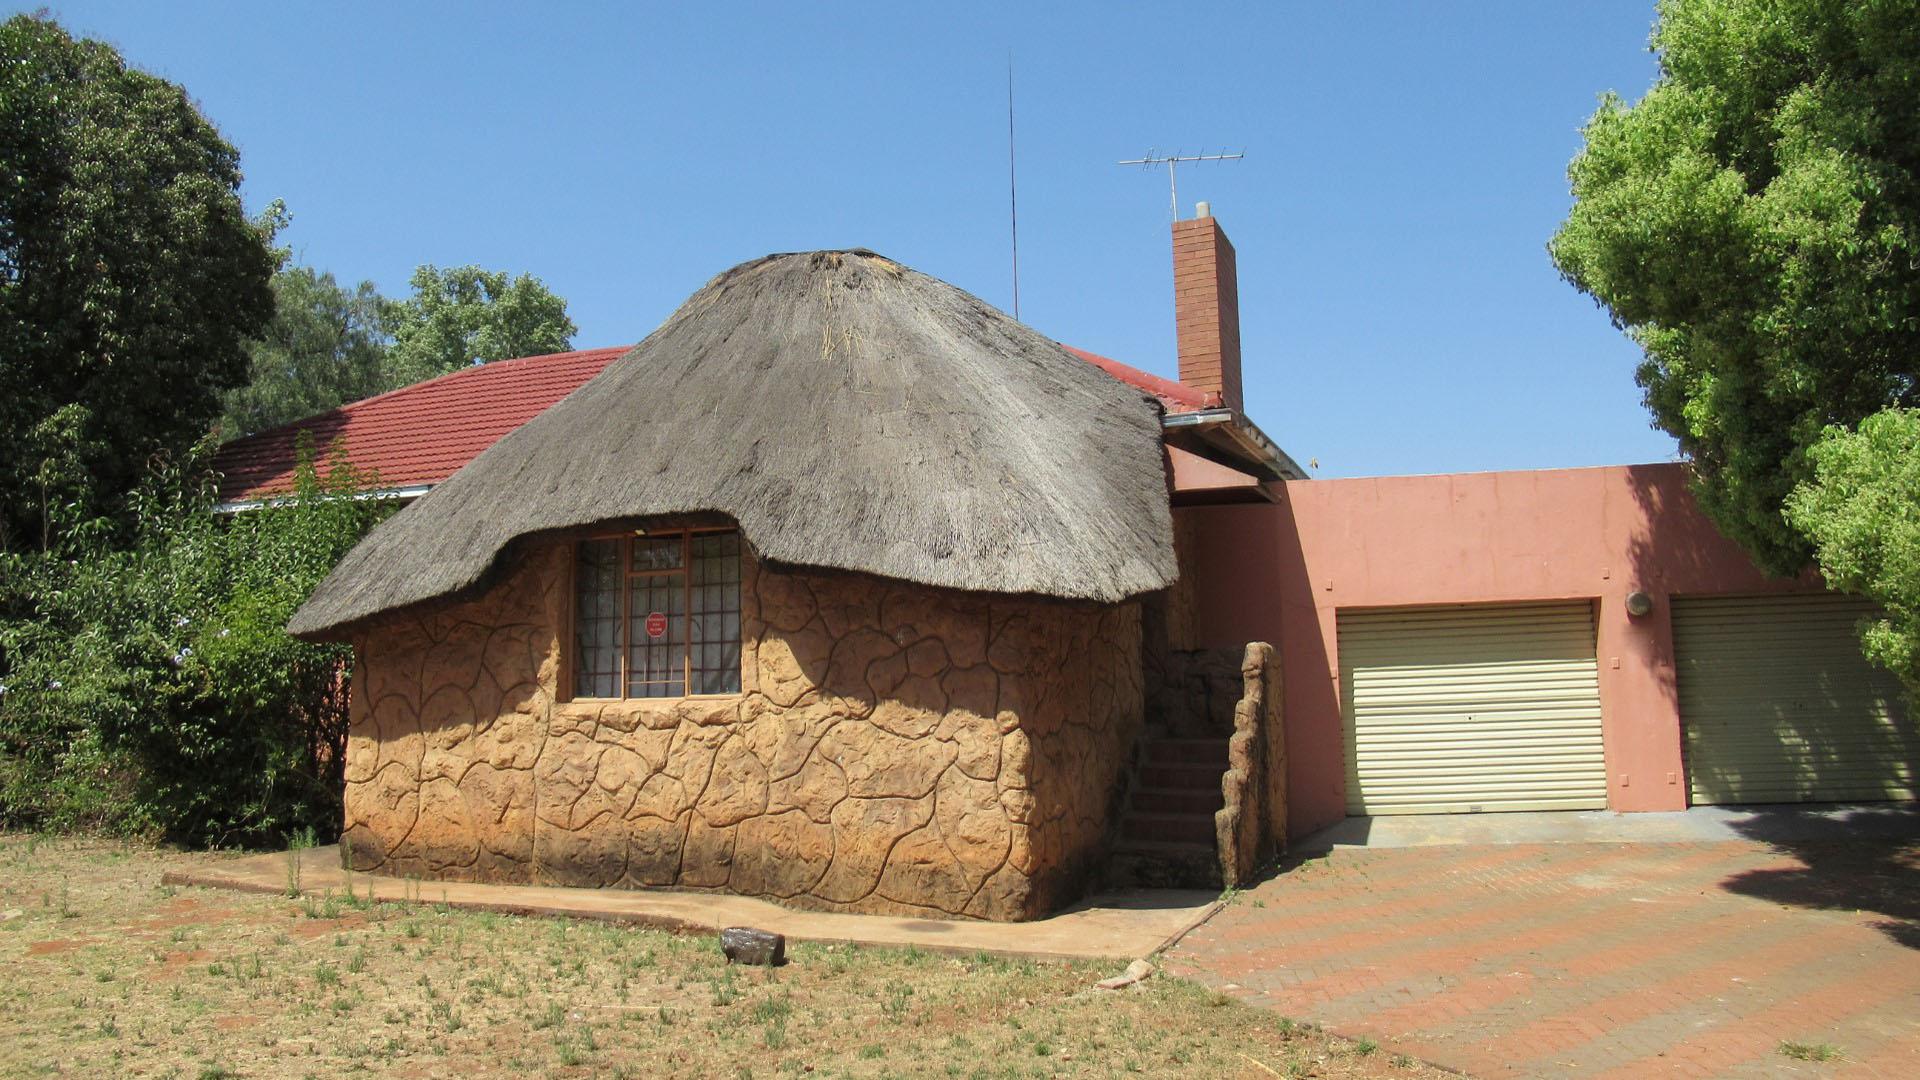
(773, 1012)
(301, 840)
(872, 1052)
(325, 906)
(573, 1050)
(1800, 1051)
(326, 974)
(1365, 1047)
(1402, 1061)
(896, 1005)
(552, 1016)
(726, 989)
(1228, 895)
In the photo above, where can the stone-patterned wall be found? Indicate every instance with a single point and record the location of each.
(895, 748)
(1168, 639)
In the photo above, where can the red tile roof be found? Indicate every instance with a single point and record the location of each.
(417, 434)
(420, 434)
(1177, 397)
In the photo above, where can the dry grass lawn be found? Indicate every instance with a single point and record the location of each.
(103, 972)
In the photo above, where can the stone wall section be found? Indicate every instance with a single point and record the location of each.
(895, 748)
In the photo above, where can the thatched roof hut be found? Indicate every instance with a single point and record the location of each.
(849, 413)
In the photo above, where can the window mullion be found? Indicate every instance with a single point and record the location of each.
(686, 613)
(626, 612)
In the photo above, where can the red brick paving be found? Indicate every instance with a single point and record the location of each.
(1617, 960)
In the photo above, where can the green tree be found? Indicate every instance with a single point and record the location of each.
(1753, 222)
(326, 345)
(130, 278)
(1862, 511)
(464, 314)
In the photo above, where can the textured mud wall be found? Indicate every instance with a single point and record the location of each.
(1176, 674)
(895, 749)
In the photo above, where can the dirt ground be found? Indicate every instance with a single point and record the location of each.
(104, 972)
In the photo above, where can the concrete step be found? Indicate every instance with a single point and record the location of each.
(1188, 752)
(1149, 865)
(1180, 776)
(1195, 829)
(1175, 801)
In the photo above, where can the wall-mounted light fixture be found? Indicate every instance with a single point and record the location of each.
(1638, 603)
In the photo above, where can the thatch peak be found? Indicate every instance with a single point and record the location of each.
(849, 412)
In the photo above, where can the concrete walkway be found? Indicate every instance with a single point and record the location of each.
(1786, 824)
(1109, 927)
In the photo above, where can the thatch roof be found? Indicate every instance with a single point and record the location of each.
(849, 413)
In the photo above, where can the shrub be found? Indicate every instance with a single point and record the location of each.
(152, 687)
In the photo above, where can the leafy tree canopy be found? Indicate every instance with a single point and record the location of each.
(462, 315)
(1754, 223)
(326, 345)
(1862, 512)
(129, 275)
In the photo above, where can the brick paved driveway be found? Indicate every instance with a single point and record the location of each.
(1606, 959)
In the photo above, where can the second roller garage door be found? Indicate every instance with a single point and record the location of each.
(1779, 705)
(1464, 708)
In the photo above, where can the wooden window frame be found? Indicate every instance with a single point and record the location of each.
(570, 652)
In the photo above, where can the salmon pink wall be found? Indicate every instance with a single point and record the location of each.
(1280, 572)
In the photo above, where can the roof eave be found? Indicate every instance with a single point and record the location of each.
(241, 506)
(1232, 431)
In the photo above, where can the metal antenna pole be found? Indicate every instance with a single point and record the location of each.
(1151, 159)
(1013, 192)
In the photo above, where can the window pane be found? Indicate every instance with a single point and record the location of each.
(714, 622)
(596, 619)
(657, 552)
(656, 665)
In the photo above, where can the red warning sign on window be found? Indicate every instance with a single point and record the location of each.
(656, 625)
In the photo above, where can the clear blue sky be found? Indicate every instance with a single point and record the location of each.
(1405, 168)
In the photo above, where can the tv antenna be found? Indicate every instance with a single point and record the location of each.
(1013, 192)
(1172, 161)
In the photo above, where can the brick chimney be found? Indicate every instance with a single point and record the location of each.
(1206, 307)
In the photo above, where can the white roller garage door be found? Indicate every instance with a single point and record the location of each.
(1779, 706)
(1467, 708)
